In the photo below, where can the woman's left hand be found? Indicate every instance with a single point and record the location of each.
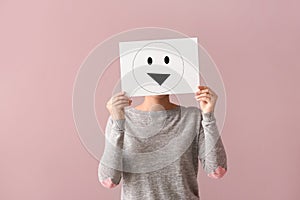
(207, 98)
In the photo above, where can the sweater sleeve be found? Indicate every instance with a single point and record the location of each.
(212, 153)
(110, 165)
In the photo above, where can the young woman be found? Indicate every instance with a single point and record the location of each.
(174, 180)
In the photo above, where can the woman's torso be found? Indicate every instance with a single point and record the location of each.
(160, 158)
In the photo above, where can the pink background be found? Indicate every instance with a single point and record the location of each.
(255, 44)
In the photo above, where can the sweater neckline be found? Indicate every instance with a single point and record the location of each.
(157, 112)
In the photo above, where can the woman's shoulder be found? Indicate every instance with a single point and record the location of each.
(193, 109)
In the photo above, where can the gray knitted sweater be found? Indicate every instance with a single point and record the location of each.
(156, 153)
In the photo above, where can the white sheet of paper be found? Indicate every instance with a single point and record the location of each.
(157, 67)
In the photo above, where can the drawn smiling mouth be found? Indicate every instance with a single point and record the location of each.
(159, 78)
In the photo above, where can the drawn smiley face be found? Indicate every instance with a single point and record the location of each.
(158, 67)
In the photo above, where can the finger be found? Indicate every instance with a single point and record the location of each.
(124, 96)
(119, 94)
(122, 105)
(202, 91)
(198, 97)
(202, 87)
(120, 102)
(119, 98)
(210, 92)
(203, 95)
(122, 93)
(207, 99)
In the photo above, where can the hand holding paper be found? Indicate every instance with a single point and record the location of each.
(207, 98)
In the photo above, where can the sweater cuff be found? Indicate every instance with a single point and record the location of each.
(118, 124)
(208, 116)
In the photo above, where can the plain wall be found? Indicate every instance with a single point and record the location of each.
(255, 44)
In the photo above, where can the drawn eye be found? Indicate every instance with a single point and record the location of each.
(149, 60)
(167, 59)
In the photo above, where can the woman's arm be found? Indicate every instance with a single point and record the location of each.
(109, 170)
(211, 149)
(110, 166)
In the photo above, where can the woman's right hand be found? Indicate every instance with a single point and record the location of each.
(116, 105)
